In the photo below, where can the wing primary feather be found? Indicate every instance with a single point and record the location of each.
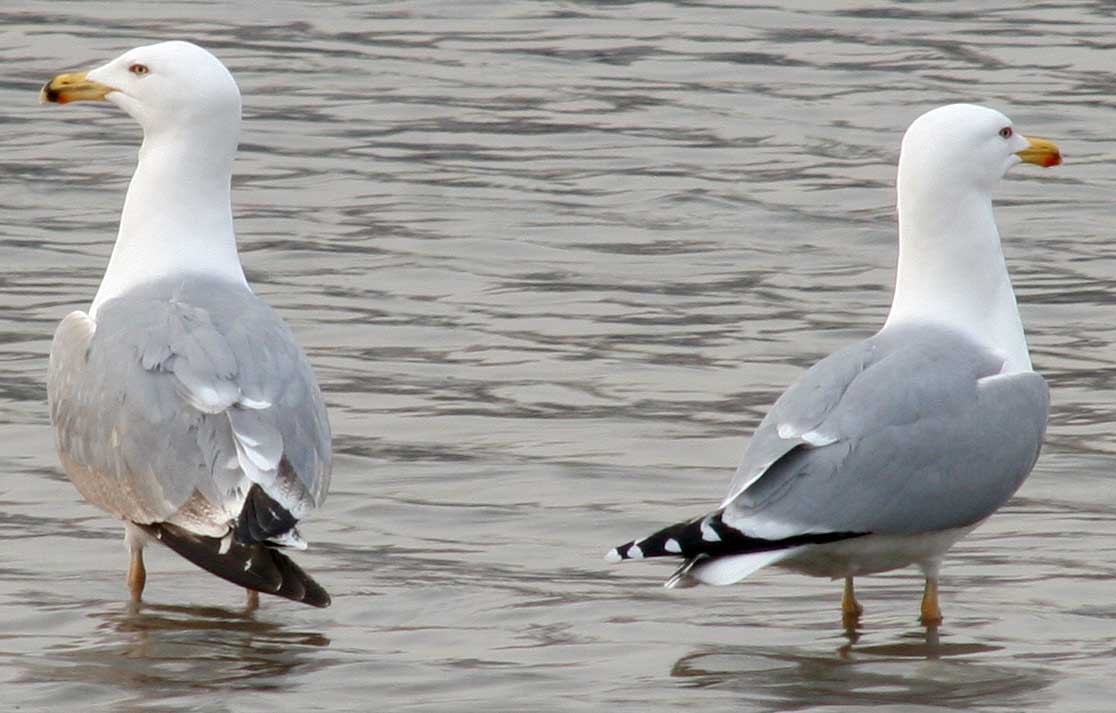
(257, 566)
(710, 536)
(262, 519)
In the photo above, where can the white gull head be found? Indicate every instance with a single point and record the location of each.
(175, 87)
(177, 217)
(951, 266)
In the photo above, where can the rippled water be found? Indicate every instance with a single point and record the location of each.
(552, 261)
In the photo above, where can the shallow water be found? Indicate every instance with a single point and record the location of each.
(552, 261)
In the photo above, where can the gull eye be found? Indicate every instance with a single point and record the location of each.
(1006, 132)
(141, 69)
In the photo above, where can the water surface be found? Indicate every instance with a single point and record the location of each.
(552, 261)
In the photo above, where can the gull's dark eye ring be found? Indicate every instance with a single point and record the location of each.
(1006, 132)
(139, 69)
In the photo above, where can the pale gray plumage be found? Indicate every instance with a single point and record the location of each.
(886, 453)
(181, 403)
(900, 455)
(152, 404)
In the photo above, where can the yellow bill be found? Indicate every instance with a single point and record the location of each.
(1041, 153)
(73, 87)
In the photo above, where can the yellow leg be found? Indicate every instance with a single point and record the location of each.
(137, 574)
(931, 611)
(850, 608)
(253, 601)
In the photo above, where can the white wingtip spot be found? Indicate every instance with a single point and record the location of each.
(708, 533)
(787, 431)
(672, 545)
(634, 553)
(291, 538)
(613, 556)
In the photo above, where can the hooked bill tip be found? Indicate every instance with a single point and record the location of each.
(48, 95)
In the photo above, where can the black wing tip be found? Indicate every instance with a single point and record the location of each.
(650, 546)
(710, 536)
(682, 539)
(261, 518)
(255, 566)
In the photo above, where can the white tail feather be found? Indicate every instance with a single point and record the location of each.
(720, 571)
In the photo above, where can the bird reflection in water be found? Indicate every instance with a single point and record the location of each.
(916, 668)
(156, 651)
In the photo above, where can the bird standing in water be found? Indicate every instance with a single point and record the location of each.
(181, 403)
(885, 453)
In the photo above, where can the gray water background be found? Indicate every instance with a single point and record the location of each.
(551, 261)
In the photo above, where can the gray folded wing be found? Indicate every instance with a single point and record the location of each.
(912, 430)
(187, 391)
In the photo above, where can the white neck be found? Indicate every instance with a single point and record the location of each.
(177, 215)
(952, 271)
